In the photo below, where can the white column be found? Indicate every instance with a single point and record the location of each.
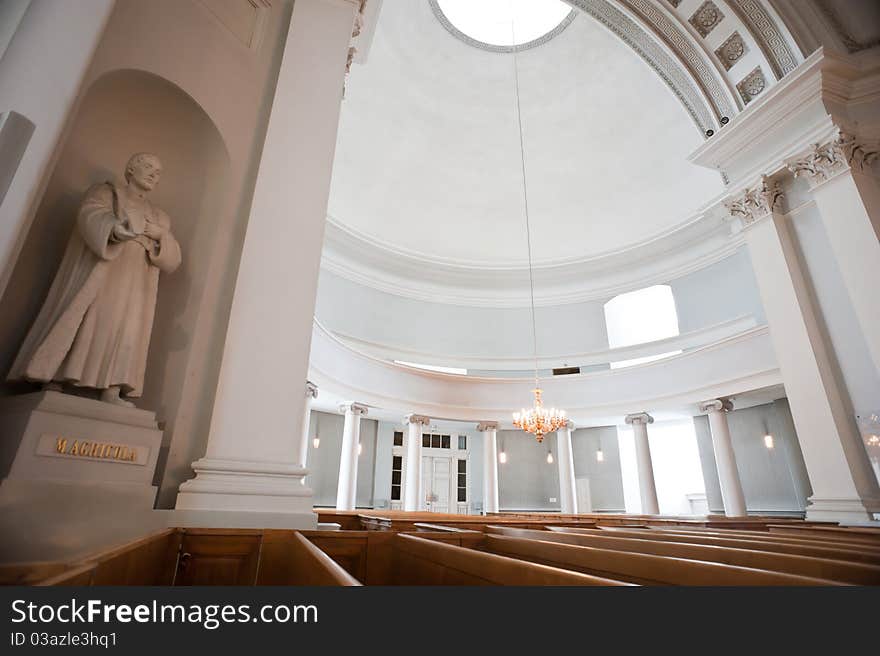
(250, 466)
(41, 72)
(647, 488)
(725, 458)
(848, 200)
(490, 466)
(346, 490)
(311, 395)
(412, 463)
(565, 461)
(844, 487)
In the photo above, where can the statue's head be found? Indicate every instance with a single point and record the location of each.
(143, 170)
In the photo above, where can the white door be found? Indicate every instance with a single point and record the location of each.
(585, 504)
(437, 483)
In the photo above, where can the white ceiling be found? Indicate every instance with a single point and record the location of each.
(428, 162)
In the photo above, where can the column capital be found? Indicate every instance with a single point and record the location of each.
(311, 390)
(355, 408)
(568, 425)
(639, 418)
(824, 161)
(716, 405)
(484, 426)
(417, 419)
(755, 202)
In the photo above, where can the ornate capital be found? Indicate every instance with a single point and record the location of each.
(417, 419)
(568, 425)
(716, 405)
(824, 161)
(354, 408)
(484, 426)
(639, 418)
(311, 390)
(356, 30)
(755, 202)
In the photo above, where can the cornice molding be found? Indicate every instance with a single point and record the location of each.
(702, 240)
(825, 94)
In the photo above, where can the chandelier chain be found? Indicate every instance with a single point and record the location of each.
(522, 159)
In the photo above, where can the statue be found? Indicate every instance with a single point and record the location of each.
(94, 328)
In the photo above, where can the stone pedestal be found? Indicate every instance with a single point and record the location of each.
(77, 475)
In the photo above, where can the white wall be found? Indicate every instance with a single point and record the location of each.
(606, 483)
(773, 480)
(676, 461)
(527, 481)
(721, 291)
(357, 311)
(323, 462)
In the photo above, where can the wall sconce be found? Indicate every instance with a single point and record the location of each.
(502, 457)
(549, 457)
(768, 441)
(316, 442)
(360, 448)
(600, 457)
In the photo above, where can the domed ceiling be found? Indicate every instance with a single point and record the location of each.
(428, 168)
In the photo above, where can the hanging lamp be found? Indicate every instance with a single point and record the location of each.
(536, 420)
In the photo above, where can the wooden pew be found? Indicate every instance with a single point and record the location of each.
(29, 573)
(847, 533)
(150, 560)
(208, 557)
(288, 558)
(366, 555)
(776, 537)
(640, 568)
(418, 561)
(759, 545)
(819, 568)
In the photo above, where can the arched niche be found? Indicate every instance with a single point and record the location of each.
(123, 112)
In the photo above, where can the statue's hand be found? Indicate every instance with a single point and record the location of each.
(121, 233)
(154, 231)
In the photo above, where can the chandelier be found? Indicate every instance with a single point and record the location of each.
(537, 420)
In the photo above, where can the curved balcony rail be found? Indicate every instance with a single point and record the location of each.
(729, 366)
(588, 360)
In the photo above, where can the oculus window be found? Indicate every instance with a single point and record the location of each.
(645, 315)
(503, 25)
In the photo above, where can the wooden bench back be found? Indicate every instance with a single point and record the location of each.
(774, 537)
(418, 561)
(760, 545)
(640, 568)
(288, 558)
(820, 568)
(845, 533)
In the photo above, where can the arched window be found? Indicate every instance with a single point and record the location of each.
(644, 315)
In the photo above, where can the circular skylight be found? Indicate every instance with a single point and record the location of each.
(504, 24)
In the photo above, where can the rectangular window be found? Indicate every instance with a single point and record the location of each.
(462, 481)
(435, 441)
(398, 438)
(444, 442)
(462, 442)
(426, 439)
(396, 468)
